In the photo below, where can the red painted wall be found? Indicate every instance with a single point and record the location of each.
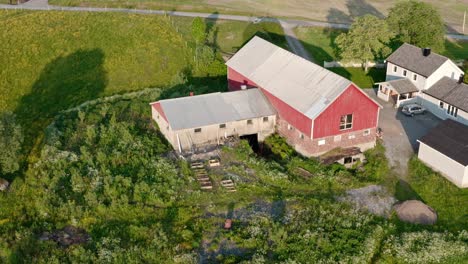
(352, 101)
(290, 115)
(157, 107)
(236, 80)
(286, 112)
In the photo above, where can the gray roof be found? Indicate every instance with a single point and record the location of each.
(449, 138)
(411, 58)
(402, 86)
(450, 91)
(300, 83)
(215, 108)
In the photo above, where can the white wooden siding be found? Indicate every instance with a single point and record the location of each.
(450, 169)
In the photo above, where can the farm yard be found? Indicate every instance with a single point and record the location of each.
(100, 184)
(341, 11)
(284, 203)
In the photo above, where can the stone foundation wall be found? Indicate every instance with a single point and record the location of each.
(310, 147)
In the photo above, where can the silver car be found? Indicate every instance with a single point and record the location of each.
(413, 109)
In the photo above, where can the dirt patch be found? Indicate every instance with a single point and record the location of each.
(416, 212)
(374, 198)
(67, 236)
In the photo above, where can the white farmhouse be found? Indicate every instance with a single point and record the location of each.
(412, 70)
(445, 149)
(447, 98)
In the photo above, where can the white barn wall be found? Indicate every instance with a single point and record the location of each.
(450, 169)
(211, 134)
(448, 69)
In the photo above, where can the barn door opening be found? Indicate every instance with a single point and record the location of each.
(253, 142)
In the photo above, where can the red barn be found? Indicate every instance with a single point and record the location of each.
(318, 110)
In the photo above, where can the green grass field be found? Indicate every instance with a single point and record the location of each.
(338, 11)
(57, 60)
(450, 202)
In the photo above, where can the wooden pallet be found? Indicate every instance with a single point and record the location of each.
(228, 185)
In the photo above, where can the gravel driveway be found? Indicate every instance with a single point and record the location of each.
(401, 133)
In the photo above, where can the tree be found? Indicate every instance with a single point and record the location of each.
(366, 40)
(199, 30)
(11, 138)
(417, 23)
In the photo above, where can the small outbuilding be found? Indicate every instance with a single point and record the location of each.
(194, 122)
(445, 149)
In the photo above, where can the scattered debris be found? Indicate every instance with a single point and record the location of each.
(67, 236)
(214, 162)
(373, 198)
(229, 185)
(344, 156)
(202, 175)
(416, 212)
(4, 184)
(228, 224)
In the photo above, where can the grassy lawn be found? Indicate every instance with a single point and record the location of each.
(338, 11)
(320, 42)
(449, 201)
(229, 36)
(57, 60)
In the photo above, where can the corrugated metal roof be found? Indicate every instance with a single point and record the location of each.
(411, 57)
(451, 92)
(215, 108)
(300, 83)
(401, 86)
(449, 138)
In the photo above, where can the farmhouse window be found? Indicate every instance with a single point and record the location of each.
(197, 130)
(441, 104)
(404, 73)
(265, 119)
(415, 77)
(346, 122)
(222, 126)
(395, 68)
(452, 110)
(249, 122)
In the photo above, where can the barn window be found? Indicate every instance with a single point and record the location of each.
(348, 160)
(321, 142)
(197, 130)
(337, 138)
(301, 136)
(441, 104)
(395, 68)
(404, 73)
(415, 77)
(249, 122)
(265, 119)
(290, 127)
(222, 126)
(346, 122)
(352, 136)
(366, 132)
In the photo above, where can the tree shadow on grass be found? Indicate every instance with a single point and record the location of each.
(65, 82)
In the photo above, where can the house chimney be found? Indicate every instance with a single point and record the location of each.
(462, 76)
(426, 52)
(191, 93)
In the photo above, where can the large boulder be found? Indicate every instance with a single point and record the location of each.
(416, 212)
(4, 184)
